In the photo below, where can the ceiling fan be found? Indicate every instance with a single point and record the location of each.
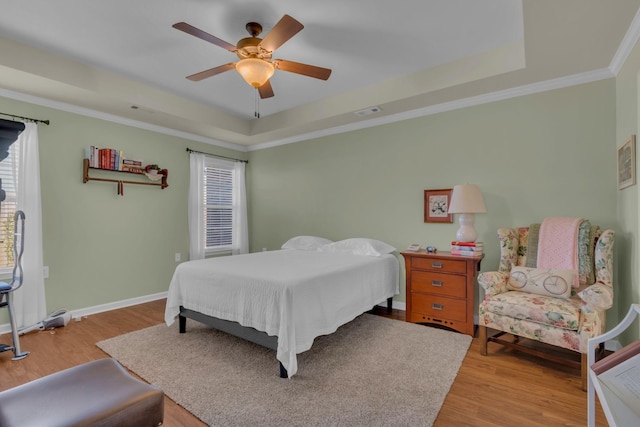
(255, 64)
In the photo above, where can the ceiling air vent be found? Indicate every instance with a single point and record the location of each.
(367, 111)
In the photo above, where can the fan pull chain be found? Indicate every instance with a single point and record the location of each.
(256, 114)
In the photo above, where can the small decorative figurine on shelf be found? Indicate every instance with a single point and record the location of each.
(151, 171)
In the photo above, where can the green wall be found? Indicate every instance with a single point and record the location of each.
(547, 154)
(100, 247)
(628, 287)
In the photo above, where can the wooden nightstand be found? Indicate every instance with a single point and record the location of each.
(440, 289)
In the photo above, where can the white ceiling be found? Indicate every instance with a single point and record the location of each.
(401, 56)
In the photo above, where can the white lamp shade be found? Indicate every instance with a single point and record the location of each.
(467, 198)
(255, 71)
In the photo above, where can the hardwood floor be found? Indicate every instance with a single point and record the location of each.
(504, 388)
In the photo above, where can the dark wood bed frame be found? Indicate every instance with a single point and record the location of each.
(236, 329)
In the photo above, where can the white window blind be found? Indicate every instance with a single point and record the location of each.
(8, 175)
(218, 197)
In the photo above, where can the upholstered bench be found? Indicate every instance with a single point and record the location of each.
(98, 393)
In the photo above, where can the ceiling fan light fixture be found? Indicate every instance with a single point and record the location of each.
(255, 71)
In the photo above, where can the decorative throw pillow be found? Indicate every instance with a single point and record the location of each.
(542, 281)
(523, 237)
(532, 246)
(585, 253)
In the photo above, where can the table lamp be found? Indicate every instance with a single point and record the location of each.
(466, 200)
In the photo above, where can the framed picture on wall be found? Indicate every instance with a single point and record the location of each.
(436, 205)
(627, 163)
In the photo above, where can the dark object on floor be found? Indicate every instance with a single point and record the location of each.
(98, 393)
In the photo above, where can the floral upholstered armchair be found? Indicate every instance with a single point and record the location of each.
(525, 301)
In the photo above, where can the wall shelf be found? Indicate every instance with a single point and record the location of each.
(86, 177)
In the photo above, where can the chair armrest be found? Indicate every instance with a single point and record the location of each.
(597, 297)
(493, 282)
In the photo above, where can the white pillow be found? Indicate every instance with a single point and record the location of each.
(306, 243)
(359, 246)
(542, 281)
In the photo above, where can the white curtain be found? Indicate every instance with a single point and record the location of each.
(195, 210)
(30, 299)
(240, 231)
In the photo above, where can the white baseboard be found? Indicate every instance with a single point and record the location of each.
(79, 313)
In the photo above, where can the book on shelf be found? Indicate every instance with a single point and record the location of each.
(468, 244)
(131, 162)
(132, 169)
(111, 159)
(108, 158)
(92, 154)
(458, 252)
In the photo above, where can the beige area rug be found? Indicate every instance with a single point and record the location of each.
(372, 371)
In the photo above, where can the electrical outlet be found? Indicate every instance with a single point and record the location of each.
(178, 256)
(45, 271)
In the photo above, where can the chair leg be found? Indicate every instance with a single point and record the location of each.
(583, 370)
(482, 335)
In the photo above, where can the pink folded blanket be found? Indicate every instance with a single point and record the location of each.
(558, 243)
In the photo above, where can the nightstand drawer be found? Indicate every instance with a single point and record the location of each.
(439, 307)
(444, 265)
(439, 283)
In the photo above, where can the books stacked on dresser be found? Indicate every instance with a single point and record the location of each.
(472, 249)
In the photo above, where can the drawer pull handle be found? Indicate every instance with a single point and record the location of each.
(437, 265)
(437, 306)
(437, 283)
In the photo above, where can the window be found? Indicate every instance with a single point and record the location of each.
(218, 205)
(8, 175)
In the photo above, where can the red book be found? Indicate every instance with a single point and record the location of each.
(103, 158)
(472, 244)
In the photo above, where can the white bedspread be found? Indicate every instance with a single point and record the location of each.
(294, 295)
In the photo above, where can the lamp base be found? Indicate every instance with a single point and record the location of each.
(466, 232)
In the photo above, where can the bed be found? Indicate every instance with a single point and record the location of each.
(284, 299)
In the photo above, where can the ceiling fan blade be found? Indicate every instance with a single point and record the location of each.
(266, 91)
(286, 28)
(211, 72)
(190, 29)
(304, 69)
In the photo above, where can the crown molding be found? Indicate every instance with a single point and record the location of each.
(628, 43)
(69, 108)
(559, 83)
(591, 76)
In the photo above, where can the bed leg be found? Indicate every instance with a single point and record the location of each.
(389, 304)
(183, 324)
(283, 372)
